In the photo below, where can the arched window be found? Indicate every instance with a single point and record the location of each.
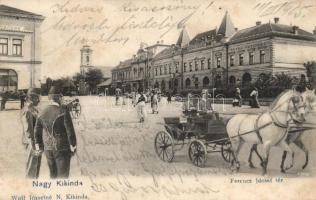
(206, 81)
(8, 80)
(232, 80)
(246, 79)
(187, 83)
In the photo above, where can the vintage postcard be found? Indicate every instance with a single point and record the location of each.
(169, 99)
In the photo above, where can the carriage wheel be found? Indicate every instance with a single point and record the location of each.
(164, 146)
(226, 151)
(197, 153)
(76, 111)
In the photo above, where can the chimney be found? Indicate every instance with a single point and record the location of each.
(314, 31)
(236, 29)
(157, 42)
(161, 41)
(276, 20)
(258, 23)
(295, 30)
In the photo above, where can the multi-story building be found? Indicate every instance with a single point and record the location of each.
(226, 57)
(20, 49)
(137, 72)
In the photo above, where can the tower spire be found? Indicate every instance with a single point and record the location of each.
(226, 29)
(184, 38)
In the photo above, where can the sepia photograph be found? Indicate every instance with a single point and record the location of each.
(169, 99)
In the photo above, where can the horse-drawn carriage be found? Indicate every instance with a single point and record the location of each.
(205, 132)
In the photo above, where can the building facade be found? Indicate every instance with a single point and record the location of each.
(227, 57)
(20, 49)
(137, 72)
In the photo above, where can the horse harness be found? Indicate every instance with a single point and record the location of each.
(274, 121)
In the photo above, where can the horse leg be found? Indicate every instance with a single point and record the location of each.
(282, 162)
(287, 148)
(300, 144)
(265, 158)
(236, 145)
(250, 156)
(254, 149)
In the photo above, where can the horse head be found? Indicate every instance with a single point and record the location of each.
(289, 104)
(297, 108)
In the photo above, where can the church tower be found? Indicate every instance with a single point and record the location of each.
(86, 55)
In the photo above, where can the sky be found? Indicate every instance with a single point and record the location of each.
(115, 28)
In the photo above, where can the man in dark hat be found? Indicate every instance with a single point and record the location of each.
(58, 140)
(28, 117)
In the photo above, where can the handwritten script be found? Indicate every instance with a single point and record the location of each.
(114, 156)
(296, 9)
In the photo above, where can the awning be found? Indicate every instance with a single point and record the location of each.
(105, 83)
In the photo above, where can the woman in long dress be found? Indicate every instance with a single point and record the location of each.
(140, 106)
(154, 103)
(254, 98)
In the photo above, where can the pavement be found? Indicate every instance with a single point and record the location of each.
(111, 141)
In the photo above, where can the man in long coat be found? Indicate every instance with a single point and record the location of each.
(28, 117)
(54, 133)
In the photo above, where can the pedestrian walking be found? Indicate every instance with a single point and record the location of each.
(169, 97)
(117, 96)
(140, 106)
(22, 99)
(55, 135)
(254, 98)
(154, 102)
(4, 99)
(29, 116)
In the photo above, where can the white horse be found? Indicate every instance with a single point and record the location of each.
(295, 137)
(269, 129)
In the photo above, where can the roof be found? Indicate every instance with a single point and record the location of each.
(226, 28)
(184, 38)
(270, 29)
(13, 12)
(203, 37)
(124, 64)
(168, 52)
(105, 83)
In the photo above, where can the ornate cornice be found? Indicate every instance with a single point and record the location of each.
(21, 62)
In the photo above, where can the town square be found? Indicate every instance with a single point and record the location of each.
(145, 100)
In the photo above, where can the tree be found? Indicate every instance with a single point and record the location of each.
(93, 78)
(77, 78)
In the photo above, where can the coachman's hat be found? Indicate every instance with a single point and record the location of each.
(54, 90)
